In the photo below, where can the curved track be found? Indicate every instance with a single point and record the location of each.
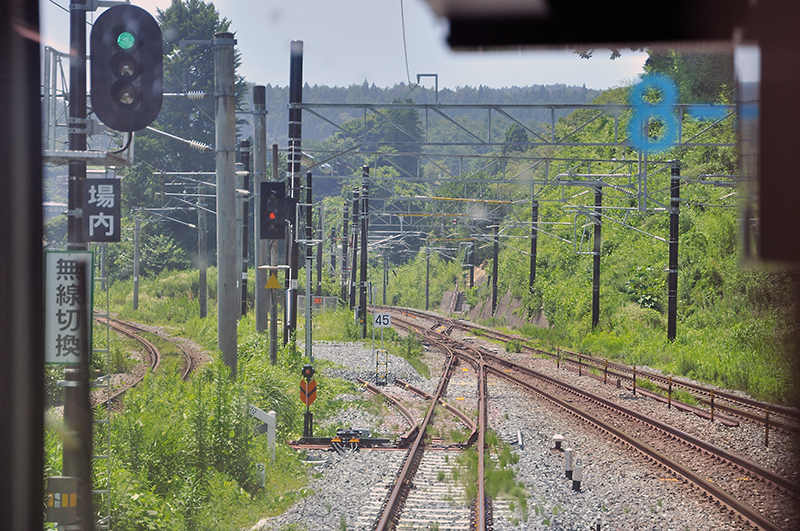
(412, 432)
(153, 354)
(718, 401)
(591, 409)
(390, 513)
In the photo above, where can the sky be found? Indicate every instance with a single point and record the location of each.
(349, 41)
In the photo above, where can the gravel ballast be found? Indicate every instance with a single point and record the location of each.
(619, 487)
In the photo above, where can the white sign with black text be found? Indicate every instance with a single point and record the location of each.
(382, 320)
(68, 305)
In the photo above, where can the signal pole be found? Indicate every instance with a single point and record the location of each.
(77, 122)
(295, 155)
(309, 257)
(77, 406)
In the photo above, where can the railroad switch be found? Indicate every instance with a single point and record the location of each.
(348, 440)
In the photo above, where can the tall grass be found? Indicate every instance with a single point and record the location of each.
(185, 454)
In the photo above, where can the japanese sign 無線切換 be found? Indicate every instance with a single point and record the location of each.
(68, 305)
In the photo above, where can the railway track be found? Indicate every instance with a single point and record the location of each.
(154, 358)
(666, 448)
(396, 504)
(717, 403)
(420, 496)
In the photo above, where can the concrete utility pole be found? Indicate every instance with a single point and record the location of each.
(427, 276)
(495, 254)
(345, 245)
(534, 241)
(273, 297)
(227, 259)
(245, 222)
(259, 176)
(598, 226)
(202, 250)
(471, 263)
(385, 273)
(320, 231)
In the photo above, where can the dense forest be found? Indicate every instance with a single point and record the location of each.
(278, 100)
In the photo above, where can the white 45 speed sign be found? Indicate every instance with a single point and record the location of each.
(382, 320)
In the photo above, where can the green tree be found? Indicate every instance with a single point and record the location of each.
(158, 251)
(186, 69)
(516, 138)
(700, 77)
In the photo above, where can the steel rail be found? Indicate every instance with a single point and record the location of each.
(481, 448)
(745, 511)
(152, 351)
(402, 484)
(720, 394)
(768, 475)
(599, 363)
(702, 392)
(481, 521)
(427, 396)
(414, 430)
(190, 362)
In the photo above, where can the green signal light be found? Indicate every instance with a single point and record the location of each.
(126, 40)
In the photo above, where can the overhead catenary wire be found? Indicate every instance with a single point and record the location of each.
(405, 46)
(183, 87)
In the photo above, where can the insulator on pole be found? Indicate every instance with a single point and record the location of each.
(195, 94)
(199, 146)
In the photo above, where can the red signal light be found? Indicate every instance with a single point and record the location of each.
(271, 215)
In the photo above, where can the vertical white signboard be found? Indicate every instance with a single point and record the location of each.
(68, 304)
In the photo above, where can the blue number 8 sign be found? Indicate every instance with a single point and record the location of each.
(663, 111)
(644, 112)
